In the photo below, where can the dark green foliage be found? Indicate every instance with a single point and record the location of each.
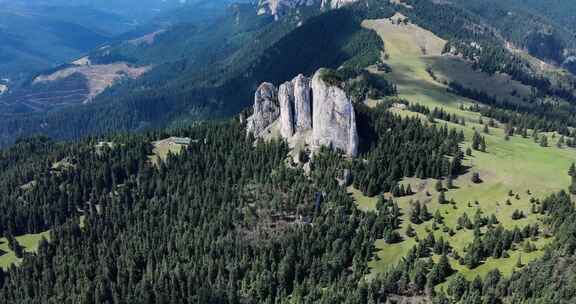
(476, 178)
(15, 246)
(402, 147)
(548, 280)
(194, 230)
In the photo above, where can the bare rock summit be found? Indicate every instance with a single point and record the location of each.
(334, 118)
(303, 105)
(266, 109)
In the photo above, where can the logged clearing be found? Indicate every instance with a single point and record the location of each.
(147, 39)
(99, 77)
(519, 165)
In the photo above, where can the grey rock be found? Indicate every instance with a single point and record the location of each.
(305, 104)
(278, 8)
(302, 103)
(335, 4)
(334, 119)
(286, 99)
(266, 109)
(295, 106)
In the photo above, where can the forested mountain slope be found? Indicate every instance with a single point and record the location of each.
(203, 66)
(212, 76)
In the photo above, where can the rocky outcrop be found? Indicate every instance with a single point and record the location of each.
(266, 109)
(304, 105)
(334, 118)
(335, 4)
(286, 99)
(295, 106)
(278, 8)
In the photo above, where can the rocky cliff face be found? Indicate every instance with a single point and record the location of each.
(335, 4)
(304, 105)
(266, 109)
(280, 7)
(334, 118)
(286, 99)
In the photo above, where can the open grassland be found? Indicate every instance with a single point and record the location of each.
(517, 165)
(412, 52)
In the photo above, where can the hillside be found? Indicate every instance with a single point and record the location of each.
(206, 78)
(501, 192)
(38, 38)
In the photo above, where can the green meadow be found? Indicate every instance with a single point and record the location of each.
(516, 165)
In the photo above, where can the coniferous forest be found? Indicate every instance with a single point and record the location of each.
(458, 193)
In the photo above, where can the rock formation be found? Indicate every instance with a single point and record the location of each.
(334, 118)
(266, 109)
(278, 8)
(303, 105)
(286, 99)
(335, 4)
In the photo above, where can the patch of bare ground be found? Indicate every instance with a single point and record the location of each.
(99, 77)
(147, 39)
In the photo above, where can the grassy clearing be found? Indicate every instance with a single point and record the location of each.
(364, 203)
(519, 164)
(163, 148)
(29, 242)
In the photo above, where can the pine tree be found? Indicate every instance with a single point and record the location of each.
(441, 198)
(410, 232)
(409, 190)
(476, 178)
(476, 140)
(544, 141)
(439, 186)
(438, 217)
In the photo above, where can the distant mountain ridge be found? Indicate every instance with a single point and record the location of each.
(209, 57)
